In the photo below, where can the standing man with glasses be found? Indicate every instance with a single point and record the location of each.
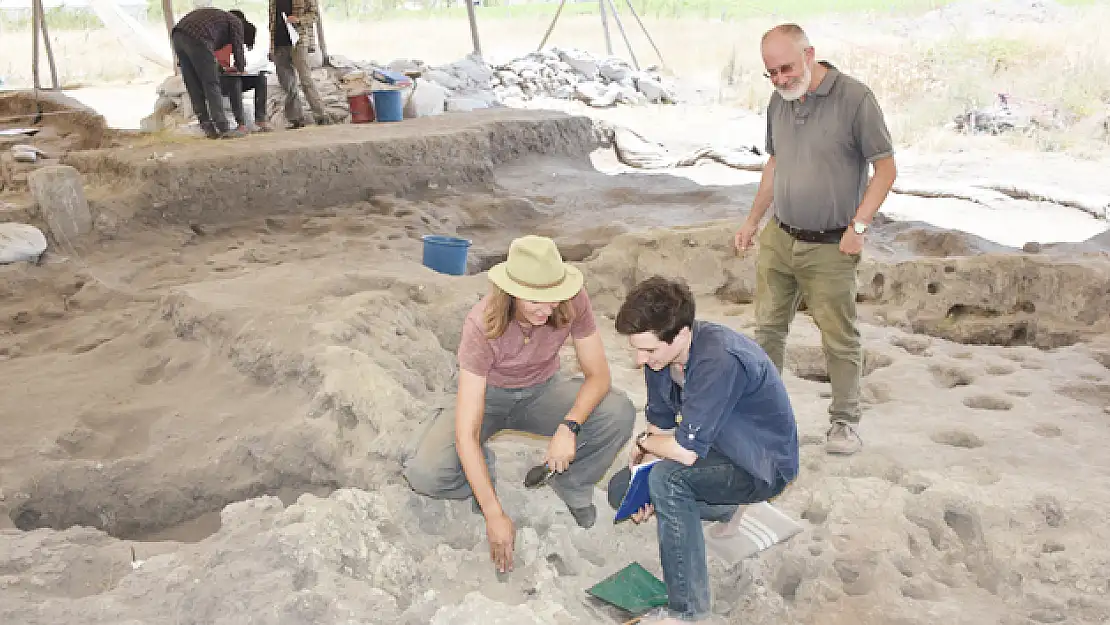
(824, 129)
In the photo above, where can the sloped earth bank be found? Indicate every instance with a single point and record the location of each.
(230, 404)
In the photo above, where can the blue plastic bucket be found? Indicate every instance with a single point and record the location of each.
(388, 106)
(445, 254)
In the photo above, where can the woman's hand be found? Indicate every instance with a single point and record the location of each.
(561, 450)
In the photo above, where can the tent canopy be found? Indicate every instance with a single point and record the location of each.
(38, 28)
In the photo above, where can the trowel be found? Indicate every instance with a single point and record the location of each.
(538, 475)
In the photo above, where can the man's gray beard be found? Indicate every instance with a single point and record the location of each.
(800, 90)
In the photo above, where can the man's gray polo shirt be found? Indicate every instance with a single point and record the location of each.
(822, 150)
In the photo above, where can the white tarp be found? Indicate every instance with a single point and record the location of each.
(132, 35)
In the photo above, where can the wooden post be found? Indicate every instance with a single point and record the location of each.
(620, 27)
(632, 10)
(320, 39)
(46, 43)
(35, 45)
(550, 28)
(605, 27)
(473, 27)
(167, 15)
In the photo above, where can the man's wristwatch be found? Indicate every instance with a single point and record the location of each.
(859, 227)
(640, 440)
(573, 426)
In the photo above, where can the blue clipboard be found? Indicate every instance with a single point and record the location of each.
(637, 495)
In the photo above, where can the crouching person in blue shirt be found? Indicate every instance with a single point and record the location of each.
(719, 418)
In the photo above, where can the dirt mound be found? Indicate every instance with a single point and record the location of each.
(196, 181)
(242, 391)
(59, 116)
(293, 391)
(984, 299)
(61, 125)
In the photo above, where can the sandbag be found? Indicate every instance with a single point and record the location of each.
(20, 242)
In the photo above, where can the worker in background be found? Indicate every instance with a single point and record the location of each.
(233, 84)
(195, 38)
(291, 58)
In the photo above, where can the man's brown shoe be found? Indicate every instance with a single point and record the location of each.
(842, 439)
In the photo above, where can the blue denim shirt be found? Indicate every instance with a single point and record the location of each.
(733, 400)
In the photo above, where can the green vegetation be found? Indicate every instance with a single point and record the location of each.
(67, 19)
(696, 9)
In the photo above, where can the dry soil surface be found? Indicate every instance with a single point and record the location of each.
(206, 424)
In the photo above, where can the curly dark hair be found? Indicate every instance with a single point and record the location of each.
(658, 305)
(250, 31)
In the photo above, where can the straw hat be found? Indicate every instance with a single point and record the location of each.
(535, 271)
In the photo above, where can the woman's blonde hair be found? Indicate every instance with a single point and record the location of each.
(501, 307)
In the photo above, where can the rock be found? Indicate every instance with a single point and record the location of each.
(24, 153)
(474, 69)
(465, 104)
(172, 87)
(615, 70)
(443, 79)
(60, 194)
(653, 89)
(20, 242)
(554, 73)
(581, 62)
(477, 609)
(508, 78)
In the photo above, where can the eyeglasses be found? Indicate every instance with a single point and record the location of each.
(782, 69)
(785, 69)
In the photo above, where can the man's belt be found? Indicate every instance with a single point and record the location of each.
(814, 236)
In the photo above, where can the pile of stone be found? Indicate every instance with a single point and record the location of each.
(571, 74)
(465, 85)
(1007, 114)
(173, 107)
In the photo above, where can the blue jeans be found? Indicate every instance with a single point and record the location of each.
(710, 489)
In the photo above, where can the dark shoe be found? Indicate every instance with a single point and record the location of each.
(294, 125)
(324, 121)
(586, 517)
(210, 131)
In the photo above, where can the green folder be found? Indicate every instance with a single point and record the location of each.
(631, 589)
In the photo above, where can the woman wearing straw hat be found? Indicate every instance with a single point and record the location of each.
(509, 380)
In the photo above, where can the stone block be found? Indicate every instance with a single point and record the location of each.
(60, 194)
(462, 105)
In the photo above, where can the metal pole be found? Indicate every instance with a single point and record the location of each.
(473, 27)
(646, 33)
(605, 27)
(620, 27)
(550, 28)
